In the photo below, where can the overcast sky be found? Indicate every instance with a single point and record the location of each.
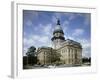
(38, 28)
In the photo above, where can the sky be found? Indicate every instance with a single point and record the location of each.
(38, 28)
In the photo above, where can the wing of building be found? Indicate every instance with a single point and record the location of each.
(67, 52)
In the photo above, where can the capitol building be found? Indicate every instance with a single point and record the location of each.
(63, 51)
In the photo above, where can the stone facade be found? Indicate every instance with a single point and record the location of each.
(70, 51)
(44, 54)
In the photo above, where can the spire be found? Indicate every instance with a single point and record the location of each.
(58, 28)
(58, 22)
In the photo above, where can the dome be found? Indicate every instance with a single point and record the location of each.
(58, 28)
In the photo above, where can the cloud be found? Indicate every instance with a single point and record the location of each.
(65, 26)
(69, 37)
(29, 23)
(47, 29)
(44, 29)
(27, 42)
(65, 23)
(25, 51)
(41, 38)
(86, 45)
(87, 18)
(37, 41)
(78, 32)
(70, 16)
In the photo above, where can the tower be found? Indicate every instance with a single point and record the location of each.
(58, 36)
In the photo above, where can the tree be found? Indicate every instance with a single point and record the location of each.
(85, 59)
(31, 51)
(31, 55)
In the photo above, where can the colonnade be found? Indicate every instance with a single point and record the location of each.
(71, 55)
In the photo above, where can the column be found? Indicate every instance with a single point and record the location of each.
(68, 55)
(73, 56)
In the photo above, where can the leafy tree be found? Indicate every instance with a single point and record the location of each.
(31, 51)
(31, 55)
(85, 59)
